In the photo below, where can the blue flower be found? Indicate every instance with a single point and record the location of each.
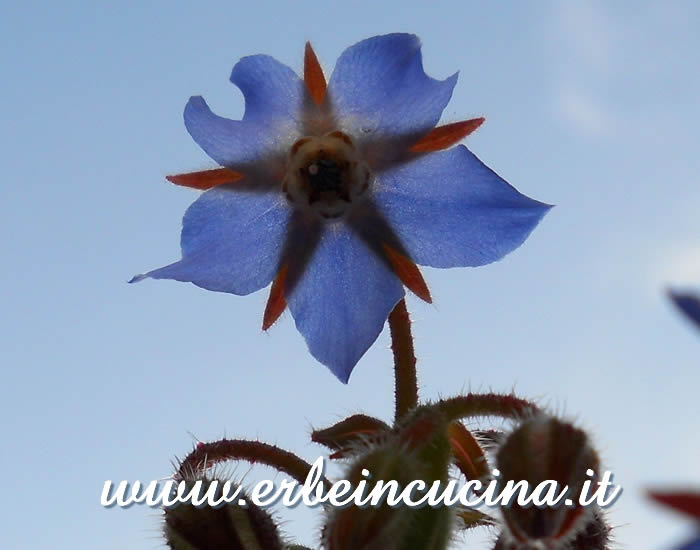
(688, 304)
(334, 192)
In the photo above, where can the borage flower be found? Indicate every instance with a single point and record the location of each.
(334, 192)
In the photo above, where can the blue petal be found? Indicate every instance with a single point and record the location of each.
(691, 545)
(274, 97)
(379, 89)
(342, 300)
(688, 304)
(274, 94)
(449, 209)
(231, 241)
(230, 143)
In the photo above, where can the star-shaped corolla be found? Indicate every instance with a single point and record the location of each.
(334, 192)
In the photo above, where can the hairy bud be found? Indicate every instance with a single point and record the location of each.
(231, 526)
(594, 535)
(418, 450)
(551, 456)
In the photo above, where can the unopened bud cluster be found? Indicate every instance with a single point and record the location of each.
(542, 456)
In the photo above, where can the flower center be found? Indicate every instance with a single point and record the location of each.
(325, 175)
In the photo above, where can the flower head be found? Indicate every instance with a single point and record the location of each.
(334, 192)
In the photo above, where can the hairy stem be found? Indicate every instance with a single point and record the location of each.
(406, 379)
(206, 455)
(486, 404)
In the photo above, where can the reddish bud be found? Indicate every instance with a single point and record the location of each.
(548, 454)
(354, 430)
(593, 535)
(230, 526)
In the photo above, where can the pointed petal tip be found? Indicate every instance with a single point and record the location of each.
(205, 179)
(687, 302)
(443, 137)
(452, 79)
(678, 296)
(341, 311)
(341, 371)
(421, 291)
(344, 377)
(194, 102)
(543, 208)
(484, 216)
(409, 274)
(314, 78)
(269, 320)
(276, 302)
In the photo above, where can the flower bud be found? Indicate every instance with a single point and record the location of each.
(230, 526)
(418, 450)
(550, 455)
(594, 535)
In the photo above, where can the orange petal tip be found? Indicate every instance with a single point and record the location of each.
(313, 75)
(408, 273)
(276, 303)
(445, 136)
(205, 179)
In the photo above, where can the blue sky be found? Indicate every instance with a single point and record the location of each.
(590, 106)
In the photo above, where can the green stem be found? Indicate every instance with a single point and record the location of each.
(406, 379)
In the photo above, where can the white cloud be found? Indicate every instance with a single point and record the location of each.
(584, 37)
(678, 265)
(584, 112)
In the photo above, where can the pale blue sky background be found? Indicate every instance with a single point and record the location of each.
(590, 106)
